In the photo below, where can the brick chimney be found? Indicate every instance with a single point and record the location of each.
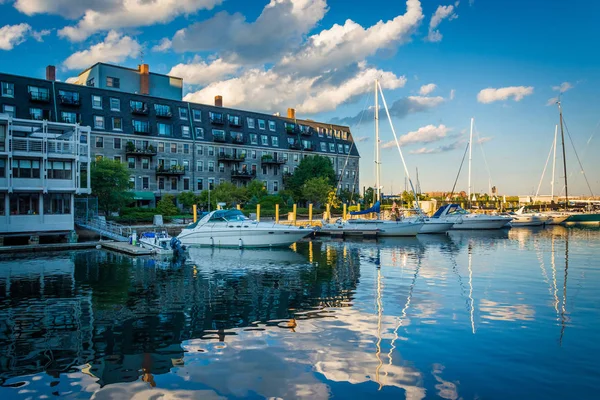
(218, 101)
(291, 113)
(144, 71)
(50, 73)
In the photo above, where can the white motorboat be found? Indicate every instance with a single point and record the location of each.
(522, 218)
(231, 228)
(432, 225)
(464, 220)
(556, 217)
(159, 243)
(388, 227)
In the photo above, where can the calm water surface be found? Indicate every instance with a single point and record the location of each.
(473, 315)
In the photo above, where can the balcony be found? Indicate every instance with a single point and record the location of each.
(235, 120)
(72, 101)
(41, 97)
(139, 109)
(216, 119)
(243, 175)
(228, 158)
(164, 113)
(307, 131)
(143, 129)
(295, 146)
(133, 151)
(292, 129)
(308, 146)
(71, 119)
(270, 160)
(219, 137)
(175, 170)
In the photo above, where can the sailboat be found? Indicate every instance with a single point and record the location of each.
(463, 219)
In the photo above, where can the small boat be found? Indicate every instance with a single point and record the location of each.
(522, 218)
(231, 228)
(464, 220)
(158, 242)
(556, 217)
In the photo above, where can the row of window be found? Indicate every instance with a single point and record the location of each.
(164, 110)
(25, 168)
(29, 203)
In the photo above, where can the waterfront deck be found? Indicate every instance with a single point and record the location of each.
(126, 248)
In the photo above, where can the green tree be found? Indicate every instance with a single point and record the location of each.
(310, 167)
(316, 190)
(110, 183)
(369, 196)
(346, 196)
(166, 206)
(256, 189)
(187, 199)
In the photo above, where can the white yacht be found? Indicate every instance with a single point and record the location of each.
(388, 227)
(231, 228)
(463, 220)
(522, 218)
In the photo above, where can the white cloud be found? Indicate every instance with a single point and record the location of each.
(490, 95)
(115, 48)
(279, 27)
(362, 139)
(200, 73)
(484, 139)
(440, 14)
(71, 79)
(344, 44)
(13, 35)
(122, 14)
(39, 35)
(164, 45)
(425, 134)
(452, 94)
(438, 149)
(65, 8)
(563, 87)
(427, 89)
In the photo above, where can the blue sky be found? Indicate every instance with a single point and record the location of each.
(434, 58)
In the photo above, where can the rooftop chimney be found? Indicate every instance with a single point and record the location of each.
(144, 70)
(218, 101)
(50, 73)
(291, 113)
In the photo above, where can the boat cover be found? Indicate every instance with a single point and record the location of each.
(375, 209)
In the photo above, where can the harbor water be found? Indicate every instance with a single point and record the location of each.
(469, 315)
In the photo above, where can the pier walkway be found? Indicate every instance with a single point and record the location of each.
(111, 230)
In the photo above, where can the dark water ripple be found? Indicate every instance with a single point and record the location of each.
(505, 314)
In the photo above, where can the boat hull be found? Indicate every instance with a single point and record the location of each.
(389, 228)
(519, 220)
(436, 227)
(247, 238)
(480, 224)
(583, 219)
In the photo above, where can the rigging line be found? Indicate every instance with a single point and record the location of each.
(487, 167)
(459, 169)
(544, 171)
(577, 156)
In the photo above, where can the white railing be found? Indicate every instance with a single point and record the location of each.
(61, 147)
(53, 146)
(27, 145)
(106, 228)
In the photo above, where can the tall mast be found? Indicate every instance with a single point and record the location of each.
(377, 163)
(562, 135)
(470, 158)
(554, 162)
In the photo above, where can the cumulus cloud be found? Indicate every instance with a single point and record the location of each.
(100, 15)
(563, 87)
(452, 94)
(201, 73)
(13, 35)
(164, 45)
(280, 26)
(427, 89)
(425, 134)
(440, 14)
(399, 109)
(552, 101)
(270, 91)
(517, 93)
(115, 48)
(343, 44)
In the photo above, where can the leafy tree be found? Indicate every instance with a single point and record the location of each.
(346, 196)
(309, 168)
(110, 183)
(316, 190)
(268, 202)
(256, 189)
(187, 199)
(166, 206)
(369, 196)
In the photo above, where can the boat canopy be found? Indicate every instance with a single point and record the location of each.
(227, 215)
(375, 209)
(449, 209)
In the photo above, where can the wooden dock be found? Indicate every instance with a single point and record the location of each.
(37, 248)
(126, 248)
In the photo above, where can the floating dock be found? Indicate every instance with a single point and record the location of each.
(343, 232)
(126, 248)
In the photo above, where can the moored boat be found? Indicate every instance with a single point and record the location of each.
(464, 220)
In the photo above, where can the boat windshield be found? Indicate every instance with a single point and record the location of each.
(455, 209)
(227, 215)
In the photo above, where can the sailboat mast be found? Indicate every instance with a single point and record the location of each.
(562, 135)
(470, 158)
(377, 162)
(554, 162)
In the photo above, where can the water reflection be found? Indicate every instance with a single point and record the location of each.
(430, 316)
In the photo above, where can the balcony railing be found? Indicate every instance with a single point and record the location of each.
(141, 129)
(295, 146)
(243, 175)
(219, 138)
(237, 140)
(176, 170)
(217, 119)
(69, 101)
(164, 113)
(139, 152)
(43, 97)
(141, 110)
(308, 146)
(53, 146)
(272, 160)
(231, 158)
(308, 131)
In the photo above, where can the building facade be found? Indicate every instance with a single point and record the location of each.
(171, 145)
(43, 166)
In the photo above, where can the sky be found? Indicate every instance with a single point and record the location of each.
(440, 63)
